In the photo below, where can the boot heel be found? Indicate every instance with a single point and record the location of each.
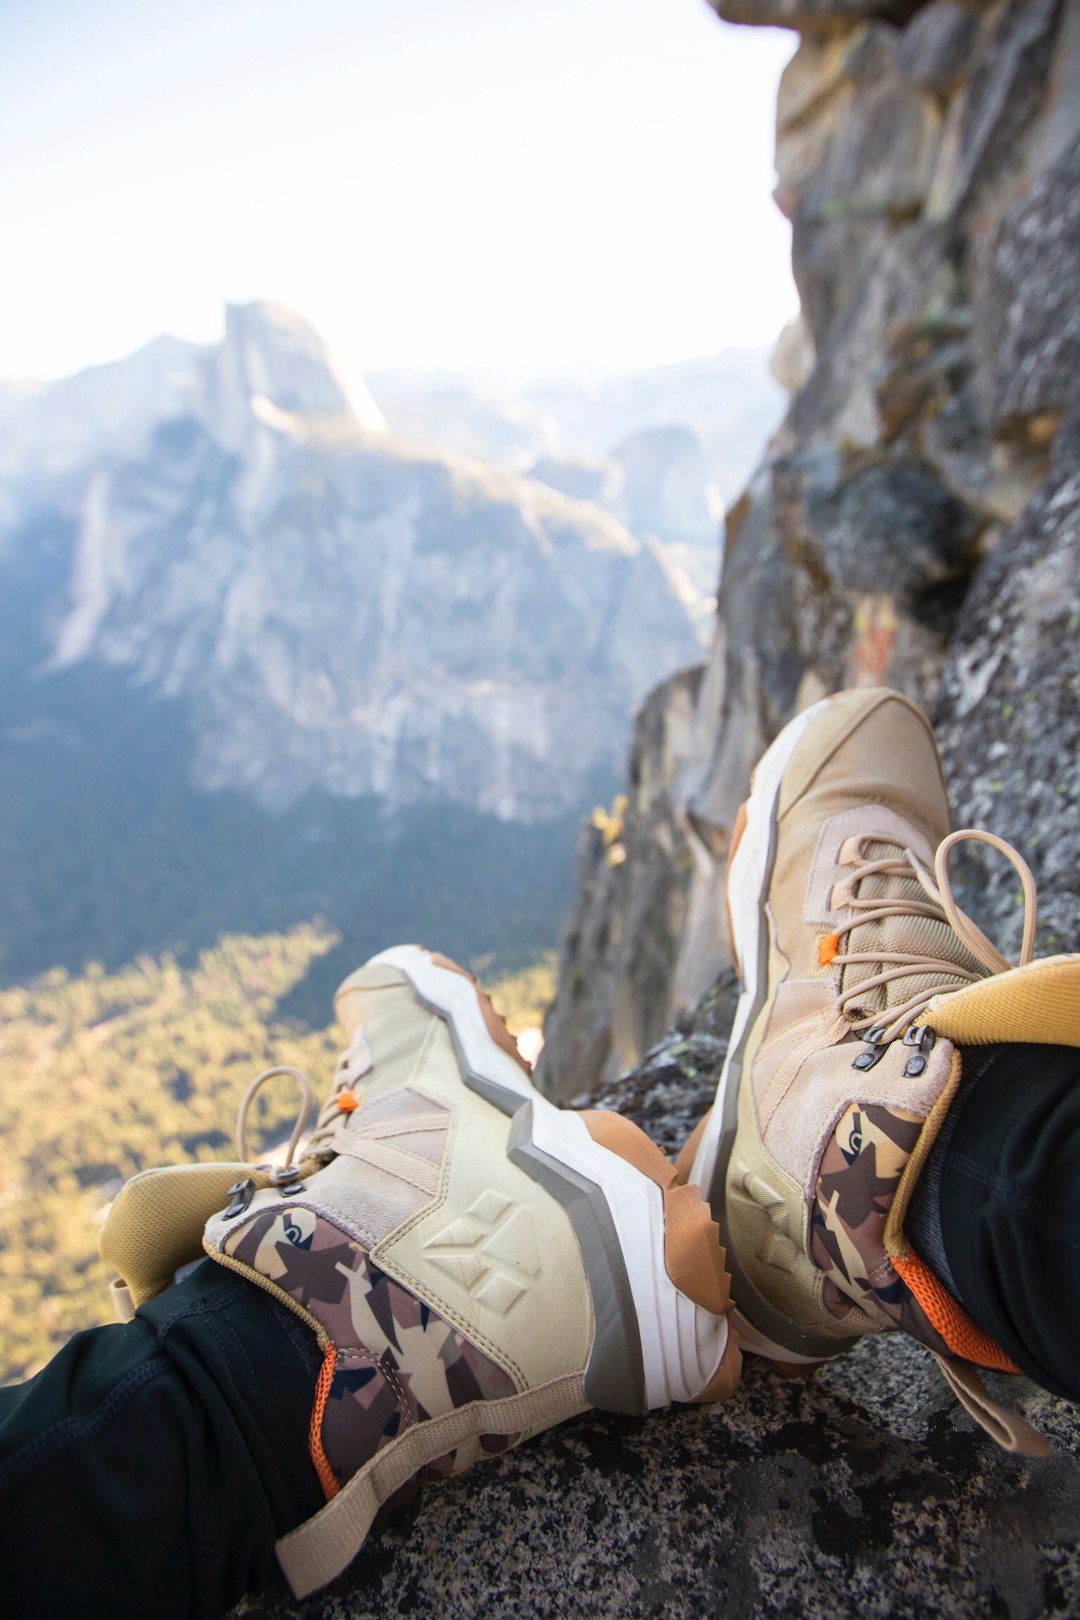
(693, 1253)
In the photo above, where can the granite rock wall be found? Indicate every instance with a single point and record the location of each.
(914, 520)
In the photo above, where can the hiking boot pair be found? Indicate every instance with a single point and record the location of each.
(474, 1263)
(477, 1264)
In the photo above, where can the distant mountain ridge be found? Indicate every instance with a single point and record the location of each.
(264, 658)
(665, 450)
(335, 609)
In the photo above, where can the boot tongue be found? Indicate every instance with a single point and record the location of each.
(904, 935)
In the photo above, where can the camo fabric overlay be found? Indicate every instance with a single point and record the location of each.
(398, 1361)
(856, 1183)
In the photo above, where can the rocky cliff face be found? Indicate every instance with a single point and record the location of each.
(332, 608)
(633, 873)
(915, 519)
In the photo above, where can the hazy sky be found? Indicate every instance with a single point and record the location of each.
(432, 182)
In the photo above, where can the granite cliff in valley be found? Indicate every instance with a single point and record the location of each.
(264, 659)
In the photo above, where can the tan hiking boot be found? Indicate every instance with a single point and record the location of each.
(862, 981)
(475, 1263)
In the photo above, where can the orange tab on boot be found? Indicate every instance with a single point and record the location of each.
(828, 946)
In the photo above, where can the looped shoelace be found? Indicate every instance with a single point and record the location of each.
(326, 1123)
(940, 907)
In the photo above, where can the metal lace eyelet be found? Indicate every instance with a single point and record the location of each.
(923, 1038)
(281, 1178)
(872, 1055)
(241, 1193)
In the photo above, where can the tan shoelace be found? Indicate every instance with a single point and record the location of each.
(326, 1124)
(941, 907)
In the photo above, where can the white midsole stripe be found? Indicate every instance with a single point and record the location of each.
(746, 884)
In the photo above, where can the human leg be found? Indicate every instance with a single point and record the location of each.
(996, 1210)
(150, 1468)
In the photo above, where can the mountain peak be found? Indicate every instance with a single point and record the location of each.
(270, 353)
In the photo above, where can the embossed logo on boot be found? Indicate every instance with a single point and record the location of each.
(491, 1250)
(775, 1246)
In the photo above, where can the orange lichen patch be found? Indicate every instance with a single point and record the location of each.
(347, 1101)
(874, 625)
(963, 1336)
(693, 1254)
(320, 1461)
(828, 946)
(496, 1025)
(688, 1152)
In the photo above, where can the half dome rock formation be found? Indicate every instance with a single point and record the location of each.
(333, 609)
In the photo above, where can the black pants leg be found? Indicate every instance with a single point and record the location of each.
(996, 1212)
(149, 1468)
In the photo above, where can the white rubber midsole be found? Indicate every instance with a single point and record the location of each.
(682, 1344)
(746, 883)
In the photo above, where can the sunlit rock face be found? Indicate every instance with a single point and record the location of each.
(914, 521)
(333, 608)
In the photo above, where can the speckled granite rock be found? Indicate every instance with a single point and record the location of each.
(862, 1491)
(812, 16)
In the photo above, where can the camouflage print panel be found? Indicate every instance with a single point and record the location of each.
(398, 1361)
(856, 1183)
